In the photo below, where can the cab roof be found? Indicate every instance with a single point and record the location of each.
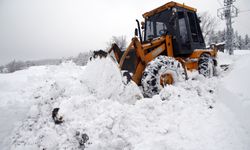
(167, 6)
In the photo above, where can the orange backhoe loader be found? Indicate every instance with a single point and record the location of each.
(165, 45)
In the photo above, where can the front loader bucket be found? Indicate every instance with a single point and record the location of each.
(99, 54)
(103, 54)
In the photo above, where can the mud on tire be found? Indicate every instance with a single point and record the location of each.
(206, 65)
(160, 65)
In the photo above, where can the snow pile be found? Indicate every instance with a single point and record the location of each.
(16, 92)
(104, 80)
(78, 92)
(10, 85)
(194, 114)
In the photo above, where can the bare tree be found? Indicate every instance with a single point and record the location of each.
(1, 69)
(81, 59)
(15, 65)
(119, 40)
(208, 24)
(246, 42)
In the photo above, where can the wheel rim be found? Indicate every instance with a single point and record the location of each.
(159, 73)
(166, 79)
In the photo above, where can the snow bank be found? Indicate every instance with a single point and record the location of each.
(194, 114)
(16, 90)
(15, 87)
(234, 90)
(241, 52)
(224, 58)
(73, 89)
(238, 80)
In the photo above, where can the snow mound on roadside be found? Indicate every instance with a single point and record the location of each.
(78, 92)
(239, 77)
(20, 91)
(186, 119)
(234, 89)
(16, 87)
(195, 114)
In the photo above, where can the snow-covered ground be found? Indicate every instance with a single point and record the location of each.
(198, 114)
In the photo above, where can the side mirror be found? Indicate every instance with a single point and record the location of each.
(136, 32)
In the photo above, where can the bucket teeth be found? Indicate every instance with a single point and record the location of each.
(99, 53)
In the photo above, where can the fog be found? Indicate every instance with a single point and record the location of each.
(37, 29)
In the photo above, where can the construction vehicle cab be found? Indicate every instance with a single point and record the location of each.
(179, 21)
(169, 43)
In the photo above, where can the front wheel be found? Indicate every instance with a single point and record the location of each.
(160, 72)
(206, 65)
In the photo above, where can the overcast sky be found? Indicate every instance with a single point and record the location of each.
(37, 29)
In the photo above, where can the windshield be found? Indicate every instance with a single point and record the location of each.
(155, 29)
(156, 25)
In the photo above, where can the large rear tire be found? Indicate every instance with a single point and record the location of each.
(156, 69)
(206, 66)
